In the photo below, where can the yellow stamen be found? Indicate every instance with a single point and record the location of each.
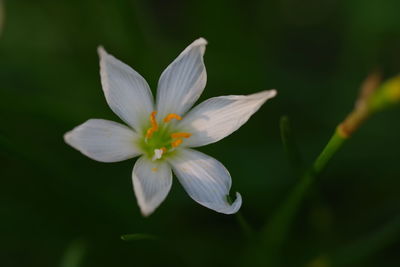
(154, 125)
(181, 135)
(154, 169)
(176, 143)
(172, 116)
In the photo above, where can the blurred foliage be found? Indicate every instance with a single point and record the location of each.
(316, 53)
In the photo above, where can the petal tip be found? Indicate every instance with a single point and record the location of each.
(237, 204)
(145, 209)
(68, 137)
(267, 94)
(272, 93)
(101, 51)
(234, 206)
(264, 95)
(145, 212)
(200, 41)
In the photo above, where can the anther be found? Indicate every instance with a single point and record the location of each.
(181, 135)
(176, 143)
(154, 125)
(172, 116)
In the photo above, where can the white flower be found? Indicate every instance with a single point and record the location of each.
(164, 132)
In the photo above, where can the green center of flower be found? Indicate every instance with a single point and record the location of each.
(160, 140)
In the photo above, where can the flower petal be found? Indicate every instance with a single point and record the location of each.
(206, 180)
(218, 117)
(103, 140)
(183, 81)
(152, 181)
(127, 93)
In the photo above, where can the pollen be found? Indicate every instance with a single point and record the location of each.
(154, 125)
(172, 116)
(181, 135)
(154, 169)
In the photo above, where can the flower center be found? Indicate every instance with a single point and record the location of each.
(160, 140)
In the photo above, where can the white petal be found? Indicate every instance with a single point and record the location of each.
(206, 180)
(218, 117)
(152, 181)
(103, 140)
(127, 93)
(183, 81)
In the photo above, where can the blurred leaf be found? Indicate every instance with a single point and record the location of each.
(139, 236)
(74, 254)
(359, 251)
(363, 248)
(1, 16)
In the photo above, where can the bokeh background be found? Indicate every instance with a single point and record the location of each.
(59, 208)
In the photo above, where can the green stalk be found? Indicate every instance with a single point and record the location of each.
(275, 232)
(372, 98)
(246, 228)
(241, 220)
(327, 153)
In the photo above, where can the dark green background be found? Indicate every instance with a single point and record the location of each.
(56, 202)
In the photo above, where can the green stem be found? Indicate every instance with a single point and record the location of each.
(330, 149)
(275, 232)
(244, 225)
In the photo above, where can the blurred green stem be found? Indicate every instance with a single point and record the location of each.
(330, 149)
(246, 228)
(275, 232)
(373, 97)
(244, 225)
